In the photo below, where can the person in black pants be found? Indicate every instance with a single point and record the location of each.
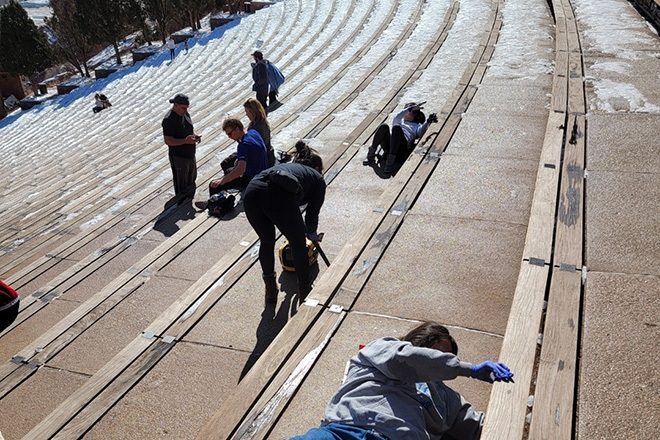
(272, 199)
(179, 135)
(408, 125)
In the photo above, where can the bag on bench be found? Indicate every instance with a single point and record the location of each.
(221, 203)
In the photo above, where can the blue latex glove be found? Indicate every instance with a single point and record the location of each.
(490, 372)
(314, 237)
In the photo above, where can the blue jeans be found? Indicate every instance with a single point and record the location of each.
(340, 431)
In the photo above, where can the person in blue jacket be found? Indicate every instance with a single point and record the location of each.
(395, 389)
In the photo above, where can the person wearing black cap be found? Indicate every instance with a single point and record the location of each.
(260, 77)
(180, 137)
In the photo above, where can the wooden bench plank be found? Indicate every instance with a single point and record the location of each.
(552, 413)
(294, 359)
(544, 201)
(508, 401)
(570, 212)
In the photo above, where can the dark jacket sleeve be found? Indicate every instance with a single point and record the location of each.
(260, 78)
(314, 203)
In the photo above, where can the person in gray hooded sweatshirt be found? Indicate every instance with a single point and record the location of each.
(394, 390)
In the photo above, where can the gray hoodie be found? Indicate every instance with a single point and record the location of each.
(396, 389)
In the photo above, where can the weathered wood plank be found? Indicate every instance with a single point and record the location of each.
(570, 212)
(552, 414)
(508, 401)
(540, 228)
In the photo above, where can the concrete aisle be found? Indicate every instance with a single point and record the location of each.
(456, 257)
(618, 376)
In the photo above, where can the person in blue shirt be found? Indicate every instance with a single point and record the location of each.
(251, 157)
(250, 160)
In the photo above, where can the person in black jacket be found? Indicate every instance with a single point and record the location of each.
(272, 199)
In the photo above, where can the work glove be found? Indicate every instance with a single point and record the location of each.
(314, 237)
(433, 118)
(490, 372)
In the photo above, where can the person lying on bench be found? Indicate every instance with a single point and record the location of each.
(394, 389)
(408, 125)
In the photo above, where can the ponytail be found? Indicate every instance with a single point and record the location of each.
(307, 156)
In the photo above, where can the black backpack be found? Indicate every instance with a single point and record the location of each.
(221, 203)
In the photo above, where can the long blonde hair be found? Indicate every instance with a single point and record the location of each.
(257, 110)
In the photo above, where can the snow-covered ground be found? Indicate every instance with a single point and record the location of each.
(215, 73)
(620, 45)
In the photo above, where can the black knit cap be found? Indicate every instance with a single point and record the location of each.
(180, 99)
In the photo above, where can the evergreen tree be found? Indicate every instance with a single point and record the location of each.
(24, 49)
(73, 44)
(108, 21)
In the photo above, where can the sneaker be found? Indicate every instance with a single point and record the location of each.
(201, 205)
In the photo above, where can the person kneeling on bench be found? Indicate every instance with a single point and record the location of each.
(250, 159)
(272, 199)
(394, 389)
(408, 125)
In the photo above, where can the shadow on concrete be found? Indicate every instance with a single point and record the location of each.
(173, 212)
(271, 322)
(378, 165)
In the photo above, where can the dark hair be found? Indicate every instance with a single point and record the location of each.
(307, 156)
(420, 117)
(428, 334)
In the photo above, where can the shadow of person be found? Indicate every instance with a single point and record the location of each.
(271, 322)
(166, 221)
(269, 327)
(378, 165)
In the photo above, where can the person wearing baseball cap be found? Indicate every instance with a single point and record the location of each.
(179, 135)
(260, 77)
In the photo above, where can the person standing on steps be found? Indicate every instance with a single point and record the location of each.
(408, 125)
(179, 135)
(260, 78)
(171, 46)
(272, 199)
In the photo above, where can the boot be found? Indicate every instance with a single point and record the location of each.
(389, 164)
(371, 154)
(304, 287)
(271, 290)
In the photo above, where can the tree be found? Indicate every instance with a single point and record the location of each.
(72, 45)
(161, 13)
(108, 21)
(24, 49)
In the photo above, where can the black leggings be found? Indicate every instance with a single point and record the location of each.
(395, 143)
(267, 206)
